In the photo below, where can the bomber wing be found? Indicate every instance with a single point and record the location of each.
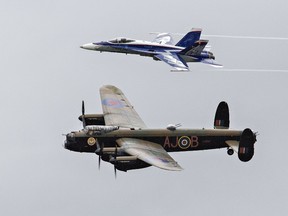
(173, 60)
(117, 109)
(149, 152)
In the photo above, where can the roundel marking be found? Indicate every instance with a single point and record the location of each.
(184, 142)
(91, 141)
(112, 102)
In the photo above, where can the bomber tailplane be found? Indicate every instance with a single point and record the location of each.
(245, 147)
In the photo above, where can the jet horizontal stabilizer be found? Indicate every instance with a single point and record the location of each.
(212, 62)
(195, 49)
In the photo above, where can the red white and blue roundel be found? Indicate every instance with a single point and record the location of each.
(112, 102)
(184, 142)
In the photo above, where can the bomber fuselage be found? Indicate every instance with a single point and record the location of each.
(172, 141)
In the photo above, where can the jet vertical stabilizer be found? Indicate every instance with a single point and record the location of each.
(190, 38)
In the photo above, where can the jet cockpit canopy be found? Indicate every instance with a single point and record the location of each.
(121, 40)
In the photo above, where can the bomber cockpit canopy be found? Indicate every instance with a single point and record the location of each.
(121, 40)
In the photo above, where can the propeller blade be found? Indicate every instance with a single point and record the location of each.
(115, 172)
(116, 151)
(115, 156)
(99, 162)
(83, 107)
(83, 114)
(99, 152)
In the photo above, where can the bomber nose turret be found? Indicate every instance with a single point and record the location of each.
(70, 140)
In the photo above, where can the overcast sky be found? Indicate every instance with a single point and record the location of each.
(45, 75)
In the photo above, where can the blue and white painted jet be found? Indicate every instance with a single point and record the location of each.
(189, 49)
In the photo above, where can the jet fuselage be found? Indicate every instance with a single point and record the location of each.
(144, 48)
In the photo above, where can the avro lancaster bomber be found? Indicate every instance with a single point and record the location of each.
(120, 137)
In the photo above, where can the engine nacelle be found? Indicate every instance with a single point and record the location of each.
(125, 163)
(246, 145)
(93, 119)
(99, 129)
(130, 165)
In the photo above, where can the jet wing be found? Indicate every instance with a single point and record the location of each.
(117, 109)
(173, 60)
(149, 152)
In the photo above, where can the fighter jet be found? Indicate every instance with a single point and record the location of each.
(189, 49)
(120, 136)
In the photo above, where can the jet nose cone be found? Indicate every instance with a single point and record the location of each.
(89, 46)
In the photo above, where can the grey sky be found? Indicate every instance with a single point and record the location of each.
(45, 75)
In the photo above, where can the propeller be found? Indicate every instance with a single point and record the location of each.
(115, 156)
(99, 151)
(83, 114)
(99, 162)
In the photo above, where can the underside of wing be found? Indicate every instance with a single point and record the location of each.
(149, 152)
(117, 109)
(173, 60)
